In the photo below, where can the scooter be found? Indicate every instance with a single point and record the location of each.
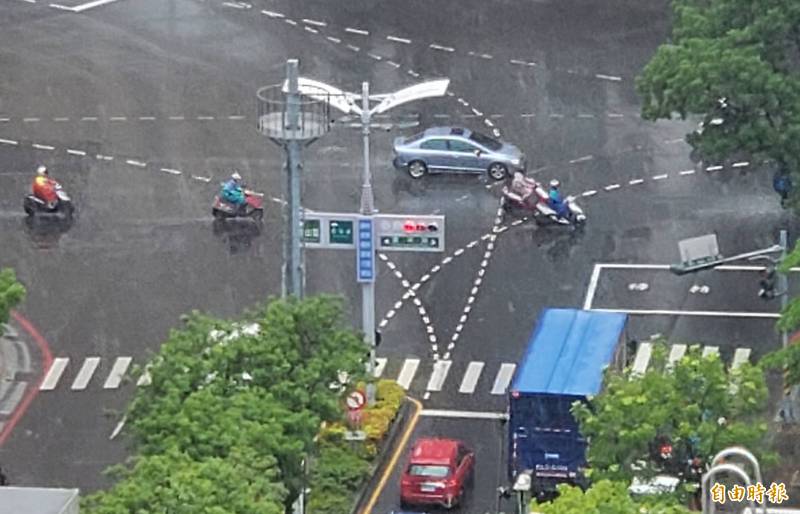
(568, 213)
(525, 202)
(253, 207)
(62, 204)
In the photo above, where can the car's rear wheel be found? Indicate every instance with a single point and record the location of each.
(417, 169)
(498, 171)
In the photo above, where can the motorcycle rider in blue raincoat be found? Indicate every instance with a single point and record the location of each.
(555, 200)
(233, 190)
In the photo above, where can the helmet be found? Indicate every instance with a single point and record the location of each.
(235, 176)
(554, 184)
(42, 170)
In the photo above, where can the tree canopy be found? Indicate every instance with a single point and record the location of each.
(605, 497)
(788, 357)
(11, 293)
(240, 399)
(744, 50)
(696, 403)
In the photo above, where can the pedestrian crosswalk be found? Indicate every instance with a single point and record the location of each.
(84, 372)
(433, 377)
(644, 354)
(412, 373)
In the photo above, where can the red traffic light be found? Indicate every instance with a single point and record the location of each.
(419, 226)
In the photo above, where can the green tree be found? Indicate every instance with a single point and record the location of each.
(175, 483)
(788, 358)
(744, 50)
(11, 293)
(697, 403)
(605, 497)
(219, 386)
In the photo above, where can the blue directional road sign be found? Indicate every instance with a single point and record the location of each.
(365, 252)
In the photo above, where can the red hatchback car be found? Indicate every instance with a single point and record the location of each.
(438, 472)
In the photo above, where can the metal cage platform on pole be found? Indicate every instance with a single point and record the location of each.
(292, 120)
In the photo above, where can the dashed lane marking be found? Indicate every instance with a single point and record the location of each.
(117, 372)
(435, 46)
(133, 162)
(76, 152)
(399, 40)
(171, 171)
(43, 147)
(471, 377)
(356, 31)
(9, 142)
(503, 378)
(54, 373)
(660, 177)
(313, 22)
(636, 181)
(85, 374)
(612, 78)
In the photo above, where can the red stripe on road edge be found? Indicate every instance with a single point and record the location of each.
(47, 360)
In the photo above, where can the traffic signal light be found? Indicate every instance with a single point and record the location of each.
(767, 283)
(410, 232)
(420, 226)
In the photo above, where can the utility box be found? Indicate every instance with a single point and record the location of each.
(36, 500)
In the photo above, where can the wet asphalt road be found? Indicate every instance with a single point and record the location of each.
(171, 84)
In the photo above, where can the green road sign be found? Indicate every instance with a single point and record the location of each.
(416, 242)
(340, 232)
(311, 231)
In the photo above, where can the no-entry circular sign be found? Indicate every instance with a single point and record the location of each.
(356, 400)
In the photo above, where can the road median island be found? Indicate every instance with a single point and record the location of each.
(16, 373)
(345, 473)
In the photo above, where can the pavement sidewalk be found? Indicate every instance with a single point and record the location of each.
(15, 370)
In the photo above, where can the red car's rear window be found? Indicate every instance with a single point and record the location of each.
(422, 470)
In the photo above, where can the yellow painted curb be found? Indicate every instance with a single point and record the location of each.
(395, 456)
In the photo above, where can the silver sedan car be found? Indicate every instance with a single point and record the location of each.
(459, 150)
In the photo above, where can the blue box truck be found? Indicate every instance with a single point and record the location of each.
(565, 362)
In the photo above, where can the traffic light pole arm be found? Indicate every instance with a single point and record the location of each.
(680, 269)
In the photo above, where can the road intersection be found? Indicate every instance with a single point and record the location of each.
(143, 124)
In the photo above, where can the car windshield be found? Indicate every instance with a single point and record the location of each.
(424, 470)
(415, 137)
(492, 144)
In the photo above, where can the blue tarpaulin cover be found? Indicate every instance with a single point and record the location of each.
(568, 351)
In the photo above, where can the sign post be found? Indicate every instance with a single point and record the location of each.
(355, 402)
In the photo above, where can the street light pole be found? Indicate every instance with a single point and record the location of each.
(292, 258)
(367, 209)
(784, 281)
(345, 102)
